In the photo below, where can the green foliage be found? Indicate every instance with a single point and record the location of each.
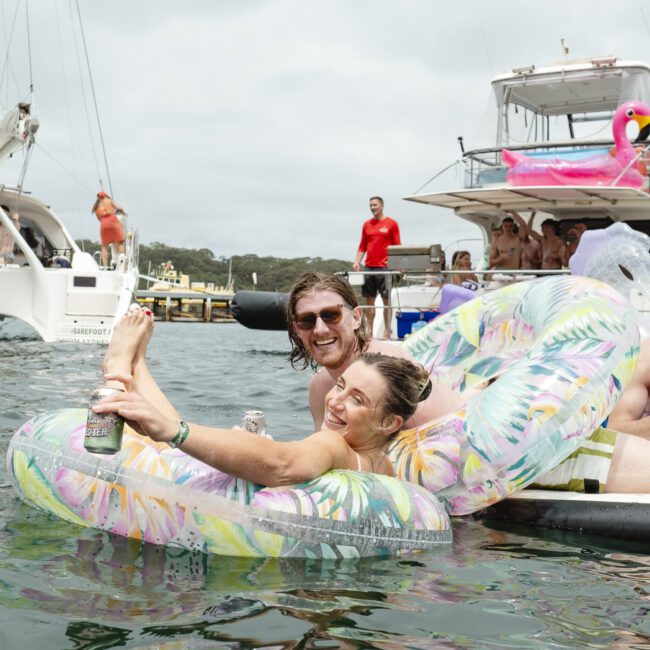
(273, 273)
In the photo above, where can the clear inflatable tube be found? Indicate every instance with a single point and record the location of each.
(562, 349)
(151, 492)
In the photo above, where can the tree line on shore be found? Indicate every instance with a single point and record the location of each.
(273, 273)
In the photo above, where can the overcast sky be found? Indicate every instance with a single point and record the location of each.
(263, 126)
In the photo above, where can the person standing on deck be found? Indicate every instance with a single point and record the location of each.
(551, 243)
(110, 228)
(531, 251)
(505, 252)
(377, 234)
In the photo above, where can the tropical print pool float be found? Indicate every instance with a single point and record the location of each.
(151, 492)
(563, 349)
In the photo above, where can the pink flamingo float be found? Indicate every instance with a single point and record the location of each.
(601, 169)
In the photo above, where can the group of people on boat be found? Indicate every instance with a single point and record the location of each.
(516, 245)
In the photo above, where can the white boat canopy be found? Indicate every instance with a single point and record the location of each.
(617, 203)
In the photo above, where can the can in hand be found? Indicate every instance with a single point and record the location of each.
(103, 430)
(254, 422)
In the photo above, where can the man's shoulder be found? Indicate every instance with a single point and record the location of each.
(321, 380)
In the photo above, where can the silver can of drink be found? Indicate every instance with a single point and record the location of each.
(103, 430)
(254, 421)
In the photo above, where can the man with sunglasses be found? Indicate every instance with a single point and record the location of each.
(377, 234)
(328, 332)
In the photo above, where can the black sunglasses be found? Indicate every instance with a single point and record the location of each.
(329, 315)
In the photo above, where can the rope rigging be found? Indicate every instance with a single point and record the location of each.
(94, 96)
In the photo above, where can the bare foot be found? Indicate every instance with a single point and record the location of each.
(131, 332)
(144, 341)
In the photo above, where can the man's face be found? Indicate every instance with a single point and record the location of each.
(548, 229)
(330, 345)
(376, 207)
(507, 227)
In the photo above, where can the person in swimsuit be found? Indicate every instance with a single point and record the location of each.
(110, 228)
(462, 261)
(364, 411)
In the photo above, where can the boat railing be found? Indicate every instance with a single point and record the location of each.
(490, 280)
(485, 167)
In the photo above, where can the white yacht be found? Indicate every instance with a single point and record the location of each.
(45, 279)
(53, 286)
(560, 111)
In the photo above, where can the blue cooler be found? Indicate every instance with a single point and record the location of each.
(406, 320)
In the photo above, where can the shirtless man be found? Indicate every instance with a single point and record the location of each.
(531, 252)
(505, 252)
(552, 244)
(631, 414)
(327, 329)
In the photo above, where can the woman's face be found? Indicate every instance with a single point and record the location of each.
(464, 261)
(353, 407)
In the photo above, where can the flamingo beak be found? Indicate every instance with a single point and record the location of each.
(644, 127)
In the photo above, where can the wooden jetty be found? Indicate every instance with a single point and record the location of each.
(173, 298)
(187, 306)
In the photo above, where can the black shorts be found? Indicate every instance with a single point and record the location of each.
(374, 284)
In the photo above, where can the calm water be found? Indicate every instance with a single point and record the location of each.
(66, 587)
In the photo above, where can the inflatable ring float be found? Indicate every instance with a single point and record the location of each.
(154, 493)
(563, 349)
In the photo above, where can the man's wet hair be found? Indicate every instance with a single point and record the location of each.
(376, 198)
(320, 281)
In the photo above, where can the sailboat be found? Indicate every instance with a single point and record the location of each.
(46, 280)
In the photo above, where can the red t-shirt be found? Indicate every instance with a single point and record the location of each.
(376, 236)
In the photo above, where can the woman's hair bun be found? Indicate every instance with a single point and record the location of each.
(426, 390)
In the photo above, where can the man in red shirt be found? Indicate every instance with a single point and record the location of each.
(377, 234)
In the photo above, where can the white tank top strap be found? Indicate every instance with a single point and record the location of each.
(358, 461)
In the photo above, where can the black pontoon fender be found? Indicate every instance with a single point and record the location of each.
(260, 310)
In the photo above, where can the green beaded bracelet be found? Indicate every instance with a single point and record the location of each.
(181, 436)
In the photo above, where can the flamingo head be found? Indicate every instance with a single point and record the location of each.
(625, 113)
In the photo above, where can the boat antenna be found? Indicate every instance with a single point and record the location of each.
(487, 52)
(29, 56)
(645, 22)
(565, 51)
(92, 89)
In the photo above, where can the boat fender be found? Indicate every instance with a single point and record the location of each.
(260, 310)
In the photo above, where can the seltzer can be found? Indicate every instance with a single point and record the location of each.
(254, 421)
(103, 430)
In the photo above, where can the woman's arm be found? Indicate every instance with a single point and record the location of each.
(240, 453)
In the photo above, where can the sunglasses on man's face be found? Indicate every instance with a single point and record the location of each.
(329, 315)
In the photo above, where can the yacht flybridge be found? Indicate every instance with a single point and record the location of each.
(49, 283)
(560, 111)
